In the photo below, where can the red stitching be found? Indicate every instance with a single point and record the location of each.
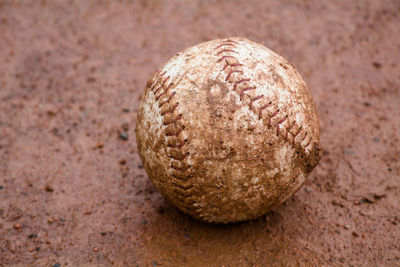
(255, 99)
(151, 85)
(246, 89)
(225, 44)
(279, 123)
(167, 100)
(298, 132)
(271, 116)
(171, 110)
(288, 131)
(184, 194)
(239, 82)
(179, 157)
(274, 114)
(179, 146)
(231, 41)
(165, 80)
(183, 186)
(226, 50)
(181, 169)
(173, 130)
(155, 92)
(261, 110)
(309, 142)
(231, 65)
(165, 91)
(304, 137)
(222, 58)
(177, 118)
(231, 72)
(290, 127)
(174, 133)
(162, 85)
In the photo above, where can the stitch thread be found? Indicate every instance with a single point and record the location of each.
(231, 41)
(174, 133)
(231, 65)
(183, 185)
(243, 91)
(246, 89)
(295, 135)
(261, 110)
(225, 44)
(224, 57)
(165, 91)
(239, 82)
(171, 110)
(255, 99)
(178, 166)
(231, 72)
(166, 101)
(279, 123)
(226, 50)
(178, 146)
(174, 120)
(181, 169)
(179, 157)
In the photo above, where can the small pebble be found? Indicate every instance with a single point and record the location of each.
(336, 203)
(122, 162)
(90, 79)
(17, 226)
(346, 226)
(48, 188)
(32, 236)
(1, 187)
(95, 249)
(126, 110)
(123, 136)
(379, 195)
(50, 220)
(125, 126)
(56, 265)
(377, 65)
(88, 212)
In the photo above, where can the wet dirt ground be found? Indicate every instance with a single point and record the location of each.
(73, 191)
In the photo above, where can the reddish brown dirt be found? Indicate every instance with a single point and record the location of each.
(73, 192)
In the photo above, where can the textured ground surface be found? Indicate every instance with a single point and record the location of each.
(73, 192)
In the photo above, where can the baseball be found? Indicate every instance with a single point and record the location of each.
(227, 130)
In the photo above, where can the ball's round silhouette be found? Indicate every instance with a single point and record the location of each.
(227, 130)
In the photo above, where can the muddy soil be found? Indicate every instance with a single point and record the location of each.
(73, 191)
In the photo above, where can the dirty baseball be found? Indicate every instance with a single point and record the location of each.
(227, 130)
